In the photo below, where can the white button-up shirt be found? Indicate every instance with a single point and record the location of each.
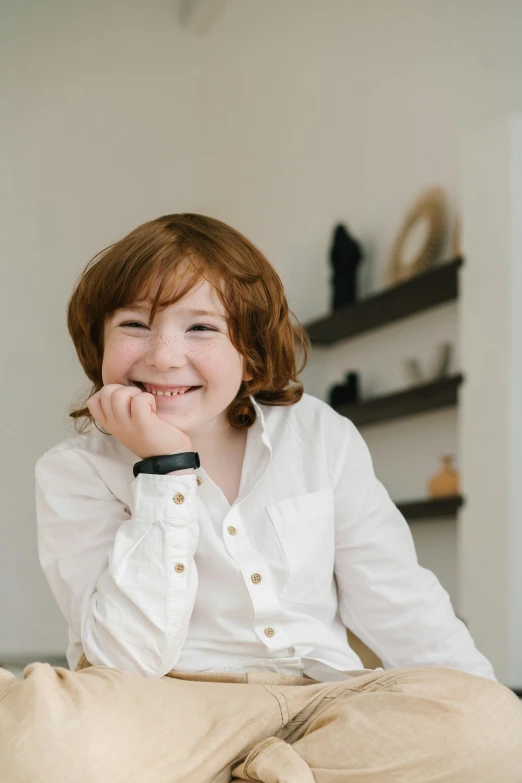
(156, 573)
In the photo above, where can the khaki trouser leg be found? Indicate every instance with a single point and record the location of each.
(414, 725)
(100, 725)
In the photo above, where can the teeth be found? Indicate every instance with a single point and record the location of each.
(181, 390)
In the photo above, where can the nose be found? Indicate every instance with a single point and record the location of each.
(164, 352)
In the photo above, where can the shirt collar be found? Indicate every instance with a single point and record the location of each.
(259, 426)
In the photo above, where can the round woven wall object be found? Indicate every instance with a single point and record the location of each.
(428, 211)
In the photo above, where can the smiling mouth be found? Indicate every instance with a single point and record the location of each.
(168, 394)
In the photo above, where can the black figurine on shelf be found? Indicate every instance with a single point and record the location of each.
(345, 256)
(347, 393)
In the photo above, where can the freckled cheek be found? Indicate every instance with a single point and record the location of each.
(215, 361)
(205, 355)
(118, 357)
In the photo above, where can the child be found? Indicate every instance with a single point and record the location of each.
(210, 539)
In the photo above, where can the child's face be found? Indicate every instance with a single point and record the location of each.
(177, 350)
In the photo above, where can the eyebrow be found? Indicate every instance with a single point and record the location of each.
(143, 307)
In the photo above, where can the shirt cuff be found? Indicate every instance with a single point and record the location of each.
(166, 498)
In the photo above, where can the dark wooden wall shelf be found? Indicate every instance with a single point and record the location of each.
(442, 393)
(429, 289)
(430, 508)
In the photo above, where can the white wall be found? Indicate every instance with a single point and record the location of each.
(490, 417)
(103, 130)
(288, 116)
(359, 107)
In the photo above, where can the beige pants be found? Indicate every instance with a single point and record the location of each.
(100, 725)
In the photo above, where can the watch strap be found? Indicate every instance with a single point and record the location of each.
(166, 463)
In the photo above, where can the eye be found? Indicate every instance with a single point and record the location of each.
(138, 325)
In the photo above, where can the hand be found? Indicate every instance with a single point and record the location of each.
(129, 415)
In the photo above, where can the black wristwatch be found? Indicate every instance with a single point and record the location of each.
(166, 463)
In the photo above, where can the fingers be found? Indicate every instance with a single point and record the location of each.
(119, 402)
(94, 405)
(110, 402)
(142, 407)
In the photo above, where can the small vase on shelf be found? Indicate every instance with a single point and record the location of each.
(446, 483)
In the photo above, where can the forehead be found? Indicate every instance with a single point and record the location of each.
(202, 300)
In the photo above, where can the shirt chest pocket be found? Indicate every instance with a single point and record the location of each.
(305, 527)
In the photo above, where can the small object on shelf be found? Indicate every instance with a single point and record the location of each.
(414, 374)
(347, 393)
(457, 237)
(441, 366)
(345, 256)
(443, 361)
(446, 483)
(420, 238)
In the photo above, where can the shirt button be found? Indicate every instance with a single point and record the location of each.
(179, 498)
(269, 631)
(179, 567)
(256, 578)
(232, 530)
(198, 481)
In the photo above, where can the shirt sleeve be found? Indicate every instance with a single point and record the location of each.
(395, 606)
(124, 579)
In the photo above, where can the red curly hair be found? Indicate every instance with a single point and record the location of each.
(246, 283)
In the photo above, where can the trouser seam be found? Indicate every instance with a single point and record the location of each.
(282, 703)
(9, 690)
(335, 693)
(284, 716)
